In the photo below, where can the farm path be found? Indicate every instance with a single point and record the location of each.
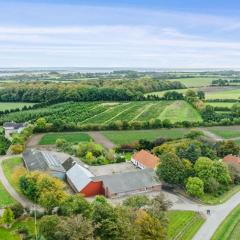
(98, 137)
(211, 135)
(34, 140)
(20, 199)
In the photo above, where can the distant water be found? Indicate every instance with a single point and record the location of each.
(15, 71)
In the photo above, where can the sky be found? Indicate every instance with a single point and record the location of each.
(123, 33)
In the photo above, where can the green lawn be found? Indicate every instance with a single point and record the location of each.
(13, 105)
(124, 137)
(5, 199)
(184, 224)
(230, 227)
(225, 131)
(227, 94)
(210, 199)
(11, 234)
(9, 165)
(73, 137)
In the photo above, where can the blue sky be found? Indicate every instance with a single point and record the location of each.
(167, 33)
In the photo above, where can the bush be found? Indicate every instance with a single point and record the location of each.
(195, 187)
(17, 210)
(17, 148)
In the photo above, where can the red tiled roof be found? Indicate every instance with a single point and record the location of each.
(231, 159)
(146, 159)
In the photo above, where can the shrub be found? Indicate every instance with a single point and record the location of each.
(195, 187)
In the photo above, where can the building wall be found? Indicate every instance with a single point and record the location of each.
(92, 189)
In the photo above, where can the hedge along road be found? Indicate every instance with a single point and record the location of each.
(20, 199)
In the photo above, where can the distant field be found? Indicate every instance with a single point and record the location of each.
(10, 105)
(221, 104)
(183, 224)
(107, 112)
(227, 94)
(124, 137)
(196, 81)
(51, 138)
(226, 131)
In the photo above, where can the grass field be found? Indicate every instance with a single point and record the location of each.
(226, 132)
(124, 137)
(230, 227)
(221, 104)
(227, 94)
(74, 137)
(107, 112)
(183, 224)
(10, 105)
(161, 93)
(11, 234)
(9, 165)
(5, 198)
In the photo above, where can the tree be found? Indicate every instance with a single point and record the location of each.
(137, 201)
(76, 228)
(17, 148)
(227, 147)
(201, 95)
(48, 226)
(190, 151)
(195, 187)
(8, 217)
(149, 228)
(193, 134)
(171, 169)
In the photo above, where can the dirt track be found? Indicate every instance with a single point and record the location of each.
(99, 138)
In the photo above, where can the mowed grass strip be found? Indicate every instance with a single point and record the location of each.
(226, 132)
(180, 111)
(50, 138)
(129, 136)
(229, 227)
(5, 198)
(184, 224)
(13, 105)
(9, 165)
(227, 94)
(221, 104)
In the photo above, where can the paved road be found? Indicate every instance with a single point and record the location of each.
(98, 137)
(20, 199)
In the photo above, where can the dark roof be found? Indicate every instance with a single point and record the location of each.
(69, 163)
(13, 125)
(129, 181)
(41, 161)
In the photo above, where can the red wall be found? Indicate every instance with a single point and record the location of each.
(92, 189)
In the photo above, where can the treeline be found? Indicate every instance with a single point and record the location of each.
(225, 82)
(119, 90)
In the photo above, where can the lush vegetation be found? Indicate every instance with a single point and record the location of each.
(4, 143)
(229, 229)
(13, 105)
(69, 137)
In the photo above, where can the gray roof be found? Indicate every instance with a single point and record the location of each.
(129, 181)
(13, 125)
(41, 161)
(79, 177)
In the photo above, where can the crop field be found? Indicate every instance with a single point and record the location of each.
(183, 224)
(75, 137)
(226, 132)
(125, 137)
(106, 112)
(226, 94)
(10, 105)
